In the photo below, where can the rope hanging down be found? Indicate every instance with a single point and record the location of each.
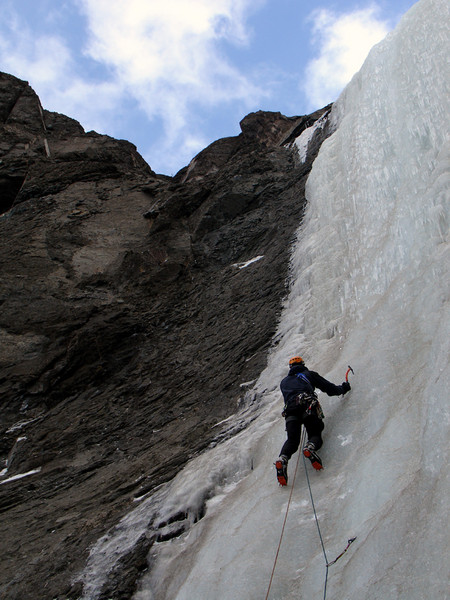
(327, 564)
(318, 529)
(350, 541)
(282, 529)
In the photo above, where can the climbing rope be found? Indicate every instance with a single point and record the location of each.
(317, 523)
(282, 529)
(351, 540)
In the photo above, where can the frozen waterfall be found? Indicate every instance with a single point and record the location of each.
(369, 288)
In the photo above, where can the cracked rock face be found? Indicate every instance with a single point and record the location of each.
(133, 307)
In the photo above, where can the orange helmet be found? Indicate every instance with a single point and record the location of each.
(296, 360)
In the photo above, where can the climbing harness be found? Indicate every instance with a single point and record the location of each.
(315, 405)
(305, 400)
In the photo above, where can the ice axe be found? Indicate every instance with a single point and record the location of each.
(348, 371)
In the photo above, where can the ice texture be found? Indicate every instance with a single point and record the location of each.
(369, 288)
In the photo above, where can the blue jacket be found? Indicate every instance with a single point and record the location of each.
(294, 384)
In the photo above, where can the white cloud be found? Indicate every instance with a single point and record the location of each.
(167, 53)
(344, 42)
(22, 53)
(47, 63)
(165, 56)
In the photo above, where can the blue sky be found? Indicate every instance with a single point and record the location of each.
(172, 76)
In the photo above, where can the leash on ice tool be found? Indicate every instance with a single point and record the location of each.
(349, 543)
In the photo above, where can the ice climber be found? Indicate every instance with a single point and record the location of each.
(301, 407)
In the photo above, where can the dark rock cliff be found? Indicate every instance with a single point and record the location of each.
(130, 317)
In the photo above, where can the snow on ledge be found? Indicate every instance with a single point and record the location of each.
(20, 425)
(20, 476)
(249, 262)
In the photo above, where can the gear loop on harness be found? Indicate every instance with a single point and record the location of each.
(306, 401)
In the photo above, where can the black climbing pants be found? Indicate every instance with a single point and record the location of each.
(314, 427)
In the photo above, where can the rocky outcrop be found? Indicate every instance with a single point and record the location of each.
(135, 309)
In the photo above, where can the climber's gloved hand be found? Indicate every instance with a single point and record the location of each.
(345, 387)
